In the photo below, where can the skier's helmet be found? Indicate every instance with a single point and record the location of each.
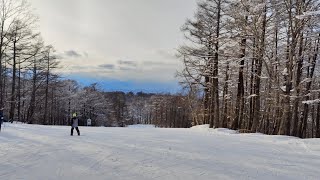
(74, 115)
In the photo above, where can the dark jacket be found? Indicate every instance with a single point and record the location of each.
(1, 117)
(74, 122)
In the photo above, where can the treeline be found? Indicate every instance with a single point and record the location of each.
(162, 110)
(110, 109)
(255, 64)
(26, 64)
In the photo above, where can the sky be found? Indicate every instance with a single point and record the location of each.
(126, 45)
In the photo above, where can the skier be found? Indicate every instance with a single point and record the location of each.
(1, 117)
(74, 124)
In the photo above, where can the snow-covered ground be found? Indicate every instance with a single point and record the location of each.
(46, 152)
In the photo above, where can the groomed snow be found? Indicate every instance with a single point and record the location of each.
(34, 152)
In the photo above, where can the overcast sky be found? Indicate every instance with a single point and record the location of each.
(124, 44)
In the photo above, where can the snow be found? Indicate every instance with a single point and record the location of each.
(205, 128)
(311, 102)
(251, 96)
(285, 72)
(48, 152)
(306, 80)
(307, 14)
(141, 126)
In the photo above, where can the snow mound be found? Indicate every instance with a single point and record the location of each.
(205, 128)
(225, 131)
(141, 126)
(201, 127)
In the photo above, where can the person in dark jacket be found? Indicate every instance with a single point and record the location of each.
(74, 124)
(1, 117)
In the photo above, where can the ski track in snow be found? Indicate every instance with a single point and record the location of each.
(35, 152)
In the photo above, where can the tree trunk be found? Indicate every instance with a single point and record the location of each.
(19, 93)
(304, 120)
(13, 86)
(318, 120)
(261, 47)
(47, 90)
(240, 92)
(1, 61)
(215, 68)
(225, 99)
(32, 105)
(291, 46)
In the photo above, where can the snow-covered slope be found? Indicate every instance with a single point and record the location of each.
(45, 152)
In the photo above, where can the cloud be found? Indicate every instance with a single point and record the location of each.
(166, 54)
(158, 64)
(115, 46)
(78, 67)
(58, 56)
(107, 66)
(114, 68)
(72, 53)
(127, 63)
(126, 68)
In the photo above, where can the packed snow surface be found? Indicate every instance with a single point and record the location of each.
(34, 152)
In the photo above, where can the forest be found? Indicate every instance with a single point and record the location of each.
(256, 64)
(250, 66)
